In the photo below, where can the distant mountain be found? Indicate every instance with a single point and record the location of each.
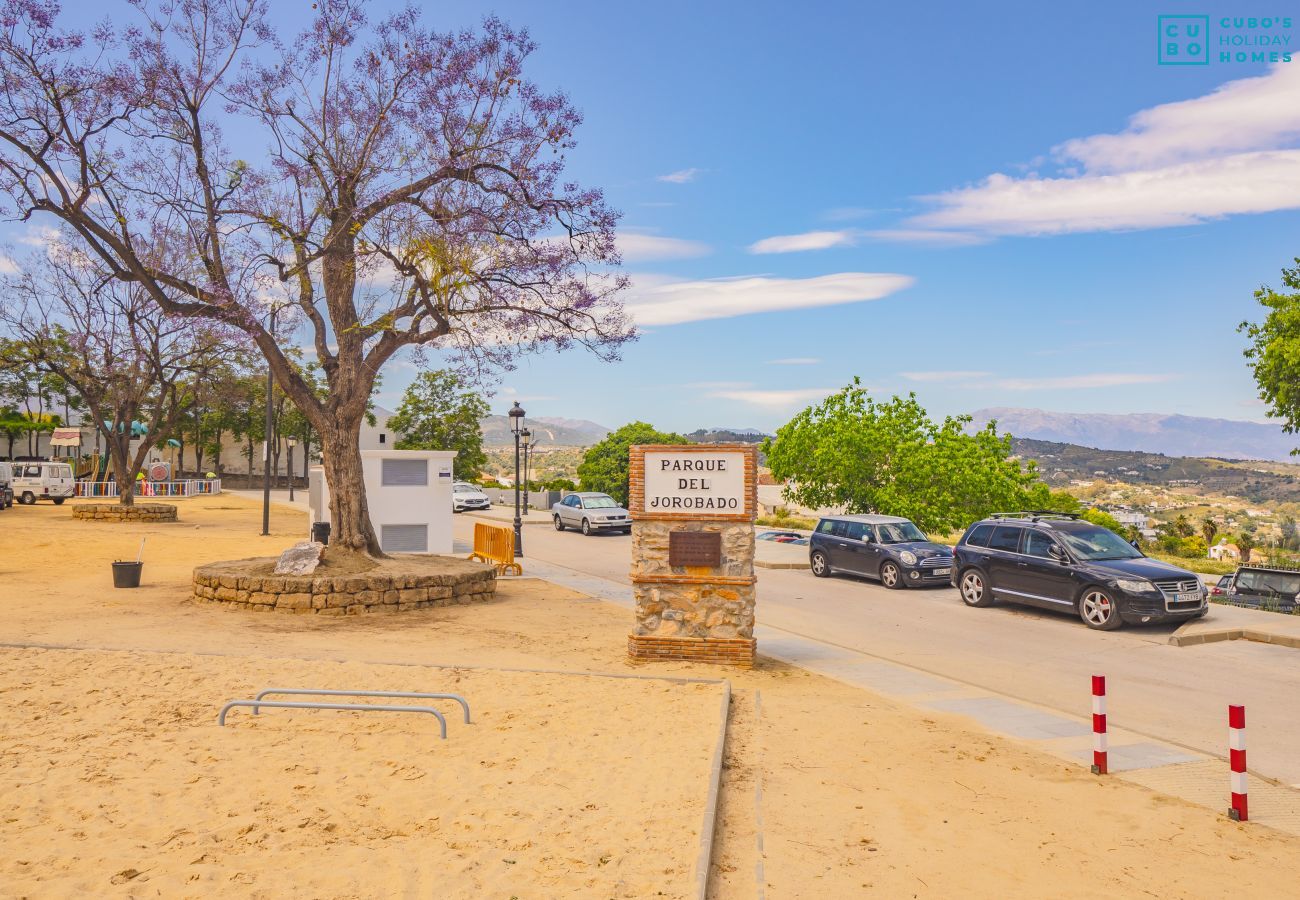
(727, 436)
(1147, 432)
(547, 431)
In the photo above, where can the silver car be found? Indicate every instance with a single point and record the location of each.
(590, 512)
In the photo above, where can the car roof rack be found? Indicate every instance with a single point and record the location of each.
(1037, 515)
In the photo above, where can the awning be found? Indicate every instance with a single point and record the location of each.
(66, 437)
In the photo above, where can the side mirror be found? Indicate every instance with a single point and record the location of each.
(1134, 543)
(1058, 554)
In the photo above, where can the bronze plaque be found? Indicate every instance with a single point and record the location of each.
(694, 548)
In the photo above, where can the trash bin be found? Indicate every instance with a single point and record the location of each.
(127, 574)
(320, 532)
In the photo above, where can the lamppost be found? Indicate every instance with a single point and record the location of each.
(516, 425)
(526, 441)
(292, 442)
(266, 445)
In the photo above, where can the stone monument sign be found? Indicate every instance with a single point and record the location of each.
(693, 508)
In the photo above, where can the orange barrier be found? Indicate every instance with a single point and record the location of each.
(495, 544)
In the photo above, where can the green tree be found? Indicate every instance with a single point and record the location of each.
(1104, 519)
(1183, 527)
(1245, 543)
(440, 412)
(891, 458)
(1274, 350)
(1210, 528)
(604, 466)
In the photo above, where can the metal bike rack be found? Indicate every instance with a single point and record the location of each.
(405, 695)
(358, 707)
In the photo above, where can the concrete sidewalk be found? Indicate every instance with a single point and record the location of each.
(1169, 768)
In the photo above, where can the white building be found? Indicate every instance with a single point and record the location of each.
(1225, 551)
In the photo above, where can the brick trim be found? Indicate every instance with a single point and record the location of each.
(636, 482)
(719, 651)
(695, 579)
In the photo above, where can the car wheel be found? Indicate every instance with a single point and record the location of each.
(974, 592)
(627, 530)
(58, 501)
(28, 498)
(559, 524)
(1099, 611)
(586, 527)
(820, 565)
(891, 577)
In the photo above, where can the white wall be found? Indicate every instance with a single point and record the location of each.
(428, 504)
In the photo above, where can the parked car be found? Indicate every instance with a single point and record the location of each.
(1222, 587)
(590, 512)
(6, 485)
(1058, 561)
(466, 496)
(37, 480)
(1271, 587)
(891, 549)
(781, 537)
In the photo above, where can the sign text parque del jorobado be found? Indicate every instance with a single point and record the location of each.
(703, 482)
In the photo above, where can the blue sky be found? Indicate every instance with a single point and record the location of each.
(950, 159)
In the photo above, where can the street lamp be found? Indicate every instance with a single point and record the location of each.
(292, 442)
(516, 425)
(526, 441)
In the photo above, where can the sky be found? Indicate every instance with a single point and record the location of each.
(997, 204)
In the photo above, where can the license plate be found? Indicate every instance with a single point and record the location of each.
(1187, 598)
(943, 571)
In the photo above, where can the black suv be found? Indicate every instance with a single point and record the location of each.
(885, 547)
(1274, 588)
(1059, 561)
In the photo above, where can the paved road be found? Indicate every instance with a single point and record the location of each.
(1174, 694)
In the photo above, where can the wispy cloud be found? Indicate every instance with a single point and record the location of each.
(797, 243)
(637, 247)
(681, 176)
(942, 377)
(656, 300)
(775, 399)
(924, 236)
(8, 266)
(794, 361)
(1075, 382)
(1230, 152)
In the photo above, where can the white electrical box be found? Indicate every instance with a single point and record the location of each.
(409, 496)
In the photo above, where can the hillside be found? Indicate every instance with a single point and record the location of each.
(547, 431)
(1147, 432)
(1263, 483)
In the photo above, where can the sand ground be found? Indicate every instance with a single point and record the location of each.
(847, 793)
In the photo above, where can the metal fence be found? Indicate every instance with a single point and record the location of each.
(189, 488)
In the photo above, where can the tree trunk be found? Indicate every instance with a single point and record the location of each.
(350, 526)
(119, 449)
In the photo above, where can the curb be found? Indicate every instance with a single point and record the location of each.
(763, 564)
(704, 859)
(1233, 634)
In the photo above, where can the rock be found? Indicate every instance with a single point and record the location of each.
(300, 559)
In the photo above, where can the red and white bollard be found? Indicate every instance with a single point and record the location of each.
(1099, 725)
(1237, 758)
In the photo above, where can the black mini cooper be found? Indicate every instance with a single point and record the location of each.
(1061, 562)
(885, 547)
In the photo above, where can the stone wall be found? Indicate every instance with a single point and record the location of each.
(141, 512)
(379, 591)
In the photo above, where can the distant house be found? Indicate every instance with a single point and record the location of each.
(1225, 551)
(1130, 519)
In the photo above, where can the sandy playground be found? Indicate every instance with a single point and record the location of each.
(116, 781)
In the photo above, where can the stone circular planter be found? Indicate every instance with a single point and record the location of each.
(392, 586)
(141, 512)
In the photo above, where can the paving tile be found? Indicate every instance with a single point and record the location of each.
(1143, 755)
(1015, 719)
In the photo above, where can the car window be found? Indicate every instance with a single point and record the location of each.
(571, 500)
(979, 536)
(826, 526)
(1038, 544)
(1005, 538)
(1098, 543)
(65, 472)
(855, 531)
(1285, 583)
(33, 472)
(599, 503)
(899, 533)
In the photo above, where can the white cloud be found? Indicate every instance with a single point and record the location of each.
(681, 176)
(637, 247)
(940, 377)
(775, 399)
(794, 361)
(1230, 152)
(656, 300)
(1072, 382)
(8, 266)
(809, 240)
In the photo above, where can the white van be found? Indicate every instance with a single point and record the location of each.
(34, 481)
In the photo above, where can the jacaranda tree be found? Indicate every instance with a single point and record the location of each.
(374, 183)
